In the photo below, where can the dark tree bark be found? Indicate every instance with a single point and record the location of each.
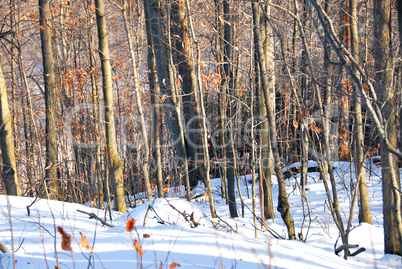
(219, 45)
(227, 83)
(185, 67)
(158, 22)
(97, 116)
(156, 113)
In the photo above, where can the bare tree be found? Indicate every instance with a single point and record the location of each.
(266, 164)
(386, 96)
(283, 204)
(228, 83)
(51, 170)
(358, 136)
(155, 101)
(114, 162)
(9, 166)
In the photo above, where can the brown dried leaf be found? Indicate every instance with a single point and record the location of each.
(66, 239)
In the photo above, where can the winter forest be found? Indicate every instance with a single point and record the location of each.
(112, 104)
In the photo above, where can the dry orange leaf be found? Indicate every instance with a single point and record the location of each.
(66, 239)
(130, 225)
(138, 248)
(146, 235)
(295, 124)
(365, 86)
(174, 265)
(84, 243)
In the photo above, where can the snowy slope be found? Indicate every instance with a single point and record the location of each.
(170, 238)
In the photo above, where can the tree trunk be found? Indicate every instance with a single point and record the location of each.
(283, 205)
(9, 166)
(227, 82)
(115, 163)
(221, 98)
(154, 90)
(97, 116)
(185, 66)
(399, 10)
(145, 144)
(159, 30)
(359, 158)
(385, 95)
(266, 151)
(306, 96)
(51, 170)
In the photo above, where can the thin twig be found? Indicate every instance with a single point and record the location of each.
(93, 216)
(270, 230)
(28, 206)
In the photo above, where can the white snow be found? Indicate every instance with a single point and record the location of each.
(37, 243)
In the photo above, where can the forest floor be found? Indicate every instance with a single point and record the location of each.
(167, 240)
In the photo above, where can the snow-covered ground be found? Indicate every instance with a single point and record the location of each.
(168, 240)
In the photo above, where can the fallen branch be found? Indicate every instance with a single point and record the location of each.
(345, 247)
(192, 222)
(93, 216)
(230, 227)
(3, 248)
(267, 228)
(159, 219)
(360, 250)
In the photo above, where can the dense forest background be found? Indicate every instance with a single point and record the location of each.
(118, 101)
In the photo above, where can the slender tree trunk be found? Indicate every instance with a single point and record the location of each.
(359, 158)
(325, 164)
(305, 88)
(295, 98)
(207, 165)
(115, 163)
(205, 145)
(266, 152)
(344, 104)
(227, 82)
(221, 97)
(145, 144)
(9, 167)
(97, 116)
(30, 130)
(283, 205)
(51, 171)
(399, 10)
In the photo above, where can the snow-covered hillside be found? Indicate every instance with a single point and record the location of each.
(168, 240)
